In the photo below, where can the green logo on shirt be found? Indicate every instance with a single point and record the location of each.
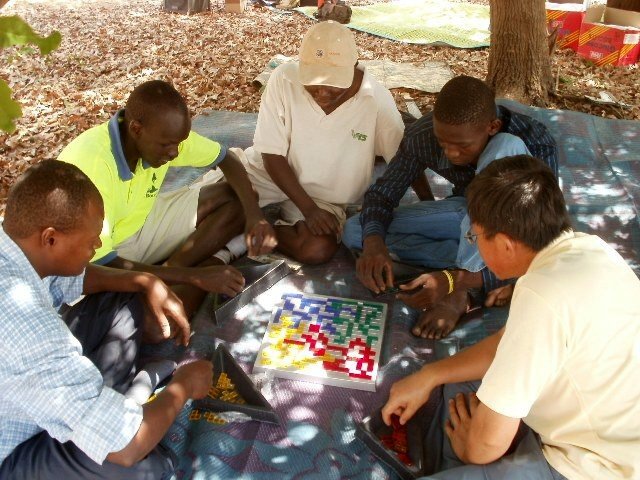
(153, 191)
(358, 136)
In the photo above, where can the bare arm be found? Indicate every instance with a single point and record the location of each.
(190, 381)
(410, 393)
(170, 275)
(374, 267)
(422, 188)
(160, 300)
(259, 235)
(319, 221)
(107, 279)
(221, 279)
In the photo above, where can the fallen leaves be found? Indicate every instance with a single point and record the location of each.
(110, 46)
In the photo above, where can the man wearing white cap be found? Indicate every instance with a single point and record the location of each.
(322, 121)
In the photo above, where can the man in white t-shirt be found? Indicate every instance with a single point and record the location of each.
(322, 121)
(567, 362)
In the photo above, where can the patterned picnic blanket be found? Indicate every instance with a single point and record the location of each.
(599, 174)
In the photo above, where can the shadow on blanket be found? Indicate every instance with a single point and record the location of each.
(599, 172)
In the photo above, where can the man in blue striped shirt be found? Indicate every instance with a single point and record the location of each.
(464, 133)
(63, 412)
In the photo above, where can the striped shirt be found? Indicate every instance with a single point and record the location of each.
(420, 150)
(45, 381)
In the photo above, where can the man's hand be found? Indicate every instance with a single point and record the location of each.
(166, 309)
(459, 423)
(375, 267)
(407, 396)
(433, 287)
(260, 238)
(321, 222)
(219, 279)
(195, 377)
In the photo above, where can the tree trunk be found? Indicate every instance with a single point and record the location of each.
(519, 60)
(633, 5)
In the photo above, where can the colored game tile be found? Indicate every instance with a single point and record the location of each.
(399, 446)
(233, 391)
(328, 340)
(258, 279)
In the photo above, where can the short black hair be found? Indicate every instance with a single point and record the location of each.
(520, 197)
(154, 98)
(51, 193)
(465, 100)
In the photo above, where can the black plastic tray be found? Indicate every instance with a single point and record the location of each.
(258, 279)
(257, 407)
(372, 427)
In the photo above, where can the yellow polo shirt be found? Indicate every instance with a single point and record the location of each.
(129, 196)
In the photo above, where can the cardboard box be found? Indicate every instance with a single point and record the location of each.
(610, 36)
(235, 6)
(567, 19)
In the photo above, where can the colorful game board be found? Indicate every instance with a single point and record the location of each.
(329, 340)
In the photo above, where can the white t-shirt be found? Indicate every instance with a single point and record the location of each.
(569, 361)
(331, 155)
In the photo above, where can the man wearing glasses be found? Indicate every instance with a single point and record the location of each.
(560, 391)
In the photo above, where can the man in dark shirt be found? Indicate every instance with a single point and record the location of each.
(464, 133)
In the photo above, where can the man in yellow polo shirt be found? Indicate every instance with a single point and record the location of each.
(173, 235)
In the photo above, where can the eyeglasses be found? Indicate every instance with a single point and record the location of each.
(472, 238)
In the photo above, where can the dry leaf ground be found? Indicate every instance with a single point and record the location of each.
(109, 46)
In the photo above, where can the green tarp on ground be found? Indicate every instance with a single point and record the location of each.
(423, 22)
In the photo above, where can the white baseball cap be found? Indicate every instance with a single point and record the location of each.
(327, 55)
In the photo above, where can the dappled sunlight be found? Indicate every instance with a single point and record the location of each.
(21, 294)
(621, 150)
(299, 450)
(586, 193)
(300, 413)
(302, 434)
(271, 297)
(618, 226)
(399, 366)
(316, 436)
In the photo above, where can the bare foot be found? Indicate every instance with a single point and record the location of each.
(440, 320)
(499, 297)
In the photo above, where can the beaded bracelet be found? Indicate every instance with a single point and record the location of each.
(447, 274)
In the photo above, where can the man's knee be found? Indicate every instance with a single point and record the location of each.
(98, 313)
(217, 195)
(352, 233)
(108, 326)
(316, 250)
(44, 457)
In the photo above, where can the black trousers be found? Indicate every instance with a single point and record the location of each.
(108, 327)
